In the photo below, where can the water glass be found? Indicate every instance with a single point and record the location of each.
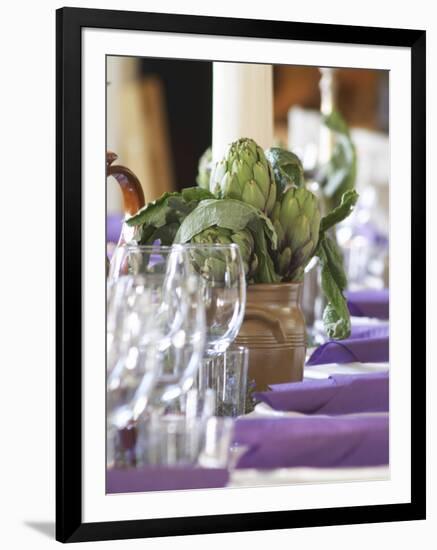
(176, 438)
(227, 375)
(216, 450)
(169, 440)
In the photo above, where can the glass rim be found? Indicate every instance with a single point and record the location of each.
(243, 350)
(145, 247)
(154, 247)
(207, 245)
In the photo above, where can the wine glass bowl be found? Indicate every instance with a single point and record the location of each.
(223, 286)
(174, 311)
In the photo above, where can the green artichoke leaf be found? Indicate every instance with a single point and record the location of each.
(341, 212)
(227, 213)
(269, 229)
(156, 212)
(334, 260)
(196, 194)
(153, 213)
(336, 324)
(340, 173)
(165, 234)
(179, 209)
(178, 205)
(147, 233)
(336, 317)
(265, 272)
(287, 169)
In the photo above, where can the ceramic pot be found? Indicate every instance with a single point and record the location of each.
(274, 331)
(133, 195)
(132, 192)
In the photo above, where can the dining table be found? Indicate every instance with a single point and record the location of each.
(333, 426)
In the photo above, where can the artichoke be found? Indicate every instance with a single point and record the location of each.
(204, 169)
(246, 175)
(220, 235)
(241, 223)
(296, 219)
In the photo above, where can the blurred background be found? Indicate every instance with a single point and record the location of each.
(159, 122)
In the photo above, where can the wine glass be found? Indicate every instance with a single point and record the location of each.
(156, 330)
(133, 365)
(223, 285)
(179, 313)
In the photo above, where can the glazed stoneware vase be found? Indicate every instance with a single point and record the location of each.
(132, 192)
(274, 331)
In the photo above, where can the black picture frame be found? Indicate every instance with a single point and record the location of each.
(69, 525)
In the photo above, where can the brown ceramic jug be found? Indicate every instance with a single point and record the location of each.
(274, 331)
(133, 195)
(132, 192)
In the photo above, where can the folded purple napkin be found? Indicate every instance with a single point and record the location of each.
(369, 303)
(365, 345)
(160, 478)
(370, 232)
(338, 394)
(113, 227)
(313, 442)
(370, 331)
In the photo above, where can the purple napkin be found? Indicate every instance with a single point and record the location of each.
(113, 227)
(313, 442)
(369, 331)
(370, 232)
(365, 345)
(160, 478)
(369, 303)
(338, 394)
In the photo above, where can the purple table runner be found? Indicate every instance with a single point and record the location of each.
(160, 478)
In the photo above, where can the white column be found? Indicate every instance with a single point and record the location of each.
(242, 105)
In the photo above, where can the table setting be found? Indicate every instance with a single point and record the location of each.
(324, 429)
(216, 376)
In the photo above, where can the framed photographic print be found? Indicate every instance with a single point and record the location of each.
(240, 274)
